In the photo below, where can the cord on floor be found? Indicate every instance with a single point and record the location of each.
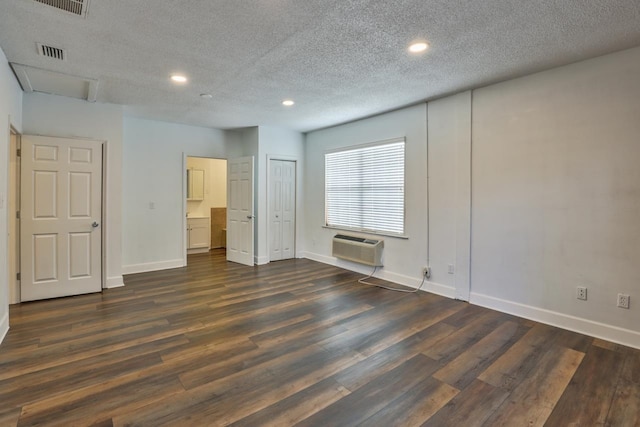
(364, 282)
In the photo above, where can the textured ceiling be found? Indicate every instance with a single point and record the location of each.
(338, 59)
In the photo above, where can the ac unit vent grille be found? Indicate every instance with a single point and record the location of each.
(77, 7)
(352, 238)
(357, 249)
(51, 52)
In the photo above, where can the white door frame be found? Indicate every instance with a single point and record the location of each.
(296, 160)
(104, 227)
(184, 208)
(184, 201)
(13, 240)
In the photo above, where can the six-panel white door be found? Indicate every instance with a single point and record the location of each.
(240, 225)
(282, 209)
(61, 215)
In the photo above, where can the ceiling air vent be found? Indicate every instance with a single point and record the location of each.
(51, 52)
(77, 7)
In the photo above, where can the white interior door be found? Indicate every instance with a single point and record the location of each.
(282, 209)
(61, 214)
(240, 226)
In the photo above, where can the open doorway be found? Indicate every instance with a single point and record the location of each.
(205, 204)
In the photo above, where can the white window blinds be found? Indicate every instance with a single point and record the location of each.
(364, 188)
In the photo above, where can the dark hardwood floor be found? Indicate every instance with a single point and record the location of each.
(299, 343)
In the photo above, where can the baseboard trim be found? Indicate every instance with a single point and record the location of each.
(412, 282)
(152, 266)
(576, 324)
(197, 251)
(114, 282)
(4, 325)
(261, 260)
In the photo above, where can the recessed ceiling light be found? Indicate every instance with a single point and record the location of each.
(206, 95)
(288, 102)
(418, 47)
(178, 78)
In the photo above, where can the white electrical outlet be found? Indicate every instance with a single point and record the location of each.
(623, 300)
(450, 269)
(426, 272)
(581, 293)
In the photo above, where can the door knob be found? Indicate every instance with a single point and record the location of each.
(95, 224)
(249, 216)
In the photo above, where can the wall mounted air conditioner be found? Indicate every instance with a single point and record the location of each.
(358, 249)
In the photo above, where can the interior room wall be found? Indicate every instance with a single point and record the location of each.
(10, 115)
(215, 185)
(556, 195)
(68, 117)
(403, 258)
(537, 176)
(242, 142)
(283, 144)
(449, 192)
(153, 172)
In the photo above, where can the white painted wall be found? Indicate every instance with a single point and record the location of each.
(242, 142)
(67, 117)
(282, 144)
(403, 258)
(449, 144)
(10, 115)
(556, 195)
(153, 173)
(215, 185)
(550, 165)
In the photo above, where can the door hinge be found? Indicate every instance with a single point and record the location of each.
(17, 214)
(19, 152)
(18, 276)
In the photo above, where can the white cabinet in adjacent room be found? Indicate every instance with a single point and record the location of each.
(198, 234)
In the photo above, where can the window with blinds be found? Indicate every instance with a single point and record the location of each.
(364, 188)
